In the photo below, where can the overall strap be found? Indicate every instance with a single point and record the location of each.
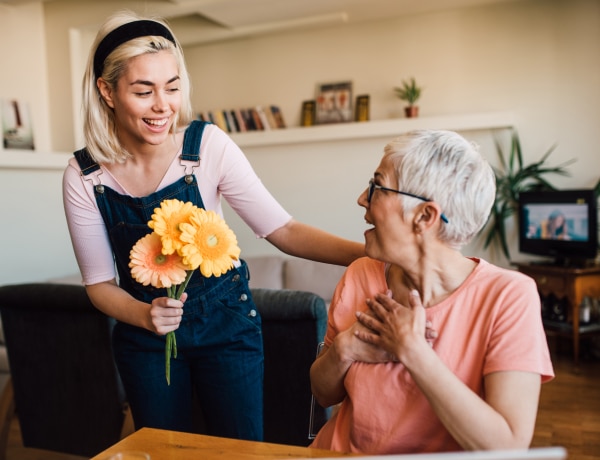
(86, 163)
(192, 139)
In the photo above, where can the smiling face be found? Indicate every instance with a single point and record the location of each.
(146, 99)
(391, 234)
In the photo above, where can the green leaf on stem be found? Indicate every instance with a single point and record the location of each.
(512, 178)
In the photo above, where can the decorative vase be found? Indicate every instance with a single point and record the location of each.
(412, 111)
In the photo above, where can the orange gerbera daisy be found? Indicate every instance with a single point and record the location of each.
(211, 244)
(150, 266)
(166, 222)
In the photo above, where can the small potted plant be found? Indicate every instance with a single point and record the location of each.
(409, 92)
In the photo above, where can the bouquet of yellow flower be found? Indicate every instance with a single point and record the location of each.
(185, 238)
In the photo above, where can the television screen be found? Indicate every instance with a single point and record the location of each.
(557, 221)
(562, 224)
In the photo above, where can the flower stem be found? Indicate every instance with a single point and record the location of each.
(174, 292)
(182, 286)
(170, 349)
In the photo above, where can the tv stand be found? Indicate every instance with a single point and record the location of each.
(565, 263)
(573, 284)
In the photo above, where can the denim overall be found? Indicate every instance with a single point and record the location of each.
(219, 341)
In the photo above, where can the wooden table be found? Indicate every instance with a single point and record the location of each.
(173, 445)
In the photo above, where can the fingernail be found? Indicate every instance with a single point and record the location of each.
(389, 293)
(414, 293)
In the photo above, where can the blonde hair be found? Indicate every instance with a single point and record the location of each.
(99, 127)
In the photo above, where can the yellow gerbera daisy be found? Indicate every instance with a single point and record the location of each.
(211, 244)
(150, 266)
(166, 222)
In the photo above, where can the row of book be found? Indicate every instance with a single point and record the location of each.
(259, 118)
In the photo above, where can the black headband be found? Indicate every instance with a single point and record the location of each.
(124, 33)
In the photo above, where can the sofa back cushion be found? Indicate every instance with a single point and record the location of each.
(316, 277)
(266, 272)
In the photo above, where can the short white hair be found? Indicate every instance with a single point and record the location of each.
(446, 168)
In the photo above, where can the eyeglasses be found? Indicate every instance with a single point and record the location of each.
(373, 186)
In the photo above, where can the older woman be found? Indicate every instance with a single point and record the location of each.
(477, 384)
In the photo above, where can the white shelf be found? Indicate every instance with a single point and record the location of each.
(31, 159)
(25, 159)
(378, 128)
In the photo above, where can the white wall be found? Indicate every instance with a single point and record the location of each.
(537, 58)
(23, 64)
(35, 243)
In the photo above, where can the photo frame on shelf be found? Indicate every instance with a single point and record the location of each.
(334, 103)
(361, 112)
(17, 130)
(307, 117)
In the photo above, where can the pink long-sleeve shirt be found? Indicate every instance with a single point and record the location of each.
(224, 171)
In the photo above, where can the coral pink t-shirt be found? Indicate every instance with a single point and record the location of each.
(223, 171)
(491, 323)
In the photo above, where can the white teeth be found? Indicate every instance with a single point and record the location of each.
(156, 122)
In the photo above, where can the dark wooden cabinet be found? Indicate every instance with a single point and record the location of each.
(569, 285)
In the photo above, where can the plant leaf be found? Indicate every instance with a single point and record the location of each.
(512, 177)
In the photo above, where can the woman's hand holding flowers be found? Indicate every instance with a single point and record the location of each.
(166, 313)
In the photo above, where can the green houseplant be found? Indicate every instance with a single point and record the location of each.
(513, 177)
(409, 92)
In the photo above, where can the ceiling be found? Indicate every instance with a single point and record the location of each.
(203, 21)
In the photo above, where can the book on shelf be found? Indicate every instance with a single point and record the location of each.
(241, 122)
(248, 119)
(206, 116)
(231, 121)
(256, 117)
(264, 118)
(219, 120)
(271, 117)
(278, 116)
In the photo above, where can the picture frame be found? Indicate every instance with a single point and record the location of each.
(17, 130)
(361, 112)
(334, 103)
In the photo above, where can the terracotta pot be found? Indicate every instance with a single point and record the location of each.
(412, 111)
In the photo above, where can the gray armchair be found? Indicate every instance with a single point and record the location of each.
(294, 323)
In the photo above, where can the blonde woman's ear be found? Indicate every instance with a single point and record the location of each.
(105, 92)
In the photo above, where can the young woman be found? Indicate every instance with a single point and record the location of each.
(142, 148)
(476, 385)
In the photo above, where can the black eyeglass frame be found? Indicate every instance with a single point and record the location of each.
(373, 186)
